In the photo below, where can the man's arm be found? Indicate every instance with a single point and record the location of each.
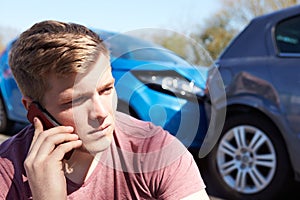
(182, 179)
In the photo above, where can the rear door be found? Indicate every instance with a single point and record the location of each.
(285, 69)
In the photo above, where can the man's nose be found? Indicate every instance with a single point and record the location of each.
(100, 109)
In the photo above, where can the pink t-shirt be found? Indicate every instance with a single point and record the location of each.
(143, 162)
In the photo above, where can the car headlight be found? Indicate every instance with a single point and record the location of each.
(169, 82)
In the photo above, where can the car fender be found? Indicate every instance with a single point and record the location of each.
(11, 97)
(250, 102)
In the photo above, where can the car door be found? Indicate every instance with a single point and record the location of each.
(285, 69)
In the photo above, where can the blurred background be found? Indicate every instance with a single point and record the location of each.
(212, 24)
(208, 24)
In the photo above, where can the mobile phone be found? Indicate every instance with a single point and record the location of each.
(48, 121)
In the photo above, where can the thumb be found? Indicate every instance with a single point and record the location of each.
(38, 126)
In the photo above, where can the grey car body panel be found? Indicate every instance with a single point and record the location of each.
(273, 86)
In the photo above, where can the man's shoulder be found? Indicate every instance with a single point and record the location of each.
(17, 143)
(146, 137)
(12, 155)
(139, 129)
(126, 121)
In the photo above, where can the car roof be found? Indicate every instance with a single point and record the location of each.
(251, 41)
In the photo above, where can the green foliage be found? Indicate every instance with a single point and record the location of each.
(183, 45)
(175, 43)
(215, 33)
(221, 28)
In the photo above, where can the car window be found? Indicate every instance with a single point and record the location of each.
(287, 35)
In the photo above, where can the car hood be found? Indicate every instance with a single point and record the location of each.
(198, 74)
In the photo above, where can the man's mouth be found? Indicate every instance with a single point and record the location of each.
(101, 130)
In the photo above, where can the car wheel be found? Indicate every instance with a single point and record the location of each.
(5, 123)
(249, 160)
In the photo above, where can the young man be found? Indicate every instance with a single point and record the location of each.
(66, 69)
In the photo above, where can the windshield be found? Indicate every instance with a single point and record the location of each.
(128, 47)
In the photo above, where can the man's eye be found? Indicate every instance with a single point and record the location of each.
(66, 104)
(78, 100)
(106, 91)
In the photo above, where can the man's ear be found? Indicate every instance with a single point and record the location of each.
(26, 102)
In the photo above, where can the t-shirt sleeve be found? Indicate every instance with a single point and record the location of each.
(180, 179)
(5, 178)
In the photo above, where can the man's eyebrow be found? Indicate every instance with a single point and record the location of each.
(69, 96)
(109, 83)
(65, 98)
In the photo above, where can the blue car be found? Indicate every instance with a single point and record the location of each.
(152, 83)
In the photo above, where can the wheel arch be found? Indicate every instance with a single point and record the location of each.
(237, 109)
(252, 104)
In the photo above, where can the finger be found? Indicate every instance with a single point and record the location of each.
(38, 128)
(60, 151)
(52, 142)
(40, 135)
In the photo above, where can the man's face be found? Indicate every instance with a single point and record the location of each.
(87, 102)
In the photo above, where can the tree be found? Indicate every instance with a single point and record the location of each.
(234, 16)
(217, 34)
(213, 35)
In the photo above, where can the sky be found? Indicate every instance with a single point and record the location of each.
(114, 15)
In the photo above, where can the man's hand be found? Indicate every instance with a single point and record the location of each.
(44, 166)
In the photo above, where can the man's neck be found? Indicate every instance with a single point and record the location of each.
(80, 166)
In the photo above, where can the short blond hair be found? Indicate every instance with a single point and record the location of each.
(52, 47)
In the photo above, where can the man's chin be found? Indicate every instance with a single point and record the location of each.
(96, 147)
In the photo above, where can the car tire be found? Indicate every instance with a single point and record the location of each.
(249, 150)
(5, 123)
